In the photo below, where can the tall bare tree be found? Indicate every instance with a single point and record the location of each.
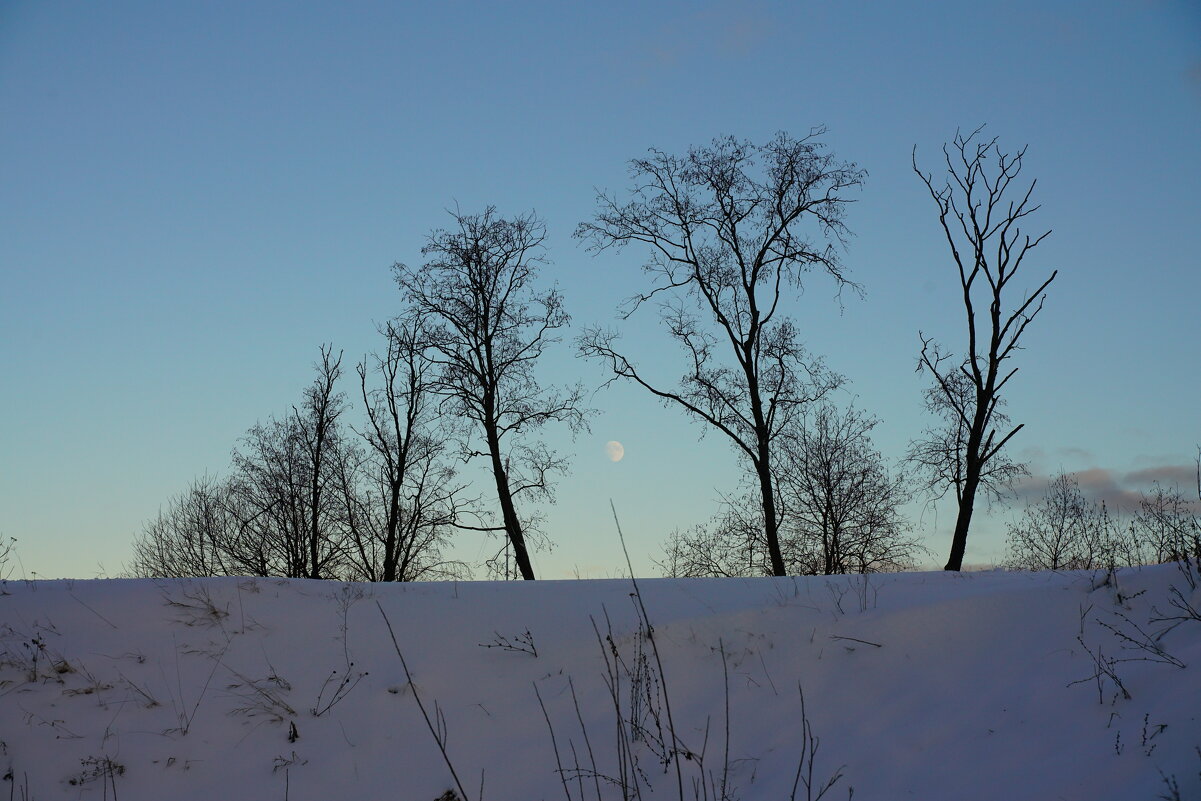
(283, 492)
(980, 210)
(487, 327)
(399, 493)
(316, 421)
(726, 229)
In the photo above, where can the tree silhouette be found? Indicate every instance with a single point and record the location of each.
(841, 504)
(980, 217)
(398, 490)
(839, 507)
(190, 537)
(487, 326)
(283, 494)
(723, 226)
(1062, 531)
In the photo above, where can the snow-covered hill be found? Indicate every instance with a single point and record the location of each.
(926, 686)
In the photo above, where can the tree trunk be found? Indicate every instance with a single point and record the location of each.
(315, 510)
(507, 509)
(771, 526)
(391, 539)
(316, 464)
(967, 501)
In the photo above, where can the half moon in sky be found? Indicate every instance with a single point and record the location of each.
(614, 450)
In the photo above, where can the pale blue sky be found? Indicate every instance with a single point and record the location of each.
(195, 196)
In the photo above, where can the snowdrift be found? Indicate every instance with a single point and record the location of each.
(927, 686)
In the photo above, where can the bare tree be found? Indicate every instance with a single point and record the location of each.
(723, 225)
(731, 544)
(283, 492)
(1168, 524)
(399, 494)
(981, 219)
(487, 327)
(189, 537)
(1063, 531)
(316, 421)
(841, 504)
(267, 499)
(839, 507)
(940, 457)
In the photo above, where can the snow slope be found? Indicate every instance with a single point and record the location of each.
(926, 686)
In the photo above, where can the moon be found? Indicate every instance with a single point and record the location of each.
(614, 450)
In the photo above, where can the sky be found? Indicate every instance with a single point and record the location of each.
(195, 196)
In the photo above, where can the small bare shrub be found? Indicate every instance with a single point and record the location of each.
(99, 769)
(522, 643)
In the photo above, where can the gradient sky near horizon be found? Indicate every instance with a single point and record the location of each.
(195, 196)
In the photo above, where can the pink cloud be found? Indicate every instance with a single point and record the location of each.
(1171, 475)
(1120, 492)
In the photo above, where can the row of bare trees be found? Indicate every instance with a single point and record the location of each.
(1063, 530)
(312, 495)
(731, 232)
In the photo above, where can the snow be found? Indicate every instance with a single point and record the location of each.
(926, 685)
